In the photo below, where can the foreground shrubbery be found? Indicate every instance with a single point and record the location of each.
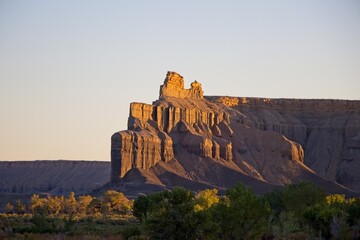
(109, 215)
(300, 211)
(180, 214)
(306, 209)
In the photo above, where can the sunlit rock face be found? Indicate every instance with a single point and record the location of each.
(174, 87)
(196, 141)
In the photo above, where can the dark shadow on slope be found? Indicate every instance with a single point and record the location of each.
(330, 187)
(199, 173)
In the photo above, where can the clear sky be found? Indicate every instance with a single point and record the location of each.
(70, 68)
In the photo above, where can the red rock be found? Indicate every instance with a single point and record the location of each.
(272, 141)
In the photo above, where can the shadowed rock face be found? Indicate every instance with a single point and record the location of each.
(328, 131)
(187, 139)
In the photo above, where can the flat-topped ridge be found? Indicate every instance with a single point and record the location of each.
(289, 103)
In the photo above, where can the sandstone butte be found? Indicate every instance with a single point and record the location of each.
(187, 139)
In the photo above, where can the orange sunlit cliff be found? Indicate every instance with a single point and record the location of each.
(188, 139)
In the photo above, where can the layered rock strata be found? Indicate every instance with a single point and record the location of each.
(328, 130)
(274, 141)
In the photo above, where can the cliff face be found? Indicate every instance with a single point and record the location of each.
(186, 138)
(328, 131)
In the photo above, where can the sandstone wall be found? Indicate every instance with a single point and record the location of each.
(167, 118)
(142, 146)
(131, 149)
(275, 140)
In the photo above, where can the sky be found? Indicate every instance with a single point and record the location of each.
(69, 69)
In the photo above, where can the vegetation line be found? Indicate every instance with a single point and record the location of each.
(300, 211)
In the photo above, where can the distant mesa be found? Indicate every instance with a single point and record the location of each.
(187, 139)
(52, 177)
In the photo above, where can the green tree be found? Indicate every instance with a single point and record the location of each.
(141, 208)
(276, 202)
(242, 215)
(211, 225)
(289, 204)
(339, 227)
(286, 224)
(329, 218)
(354, 213)
(171, 215)
(298, 197)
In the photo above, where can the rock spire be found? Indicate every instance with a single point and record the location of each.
(174, 87)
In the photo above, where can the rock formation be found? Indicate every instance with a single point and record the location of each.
(174, 87)
(187, 139)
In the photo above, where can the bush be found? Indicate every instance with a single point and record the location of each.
(241, 214)
(131, 231)
(171, 215)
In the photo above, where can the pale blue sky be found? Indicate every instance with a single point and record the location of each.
(70, 68)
